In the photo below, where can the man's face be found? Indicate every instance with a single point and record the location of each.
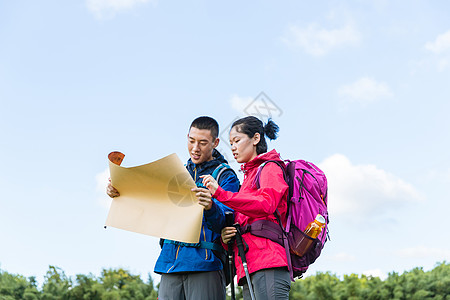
(201, 145)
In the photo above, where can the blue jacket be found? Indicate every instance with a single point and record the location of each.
(181, 257)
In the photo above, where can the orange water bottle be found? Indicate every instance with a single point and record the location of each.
(315, 227)
(312, 231)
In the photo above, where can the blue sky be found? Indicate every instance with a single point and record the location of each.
(360, 87)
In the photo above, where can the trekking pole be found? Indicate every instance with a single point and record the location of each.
(240, 245)
(229, 223)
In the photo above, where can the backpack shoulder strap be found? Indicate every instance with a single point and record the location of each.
(263, 230)
(257, 184)
(218, 171)
(258, 174)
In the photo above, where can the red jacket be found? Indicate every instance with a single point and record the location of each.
(251, 204)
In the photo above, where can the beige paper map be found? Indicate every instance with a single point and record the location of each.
(155, 199)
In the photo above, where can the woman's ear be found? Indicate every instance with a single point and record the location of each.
(256, 139)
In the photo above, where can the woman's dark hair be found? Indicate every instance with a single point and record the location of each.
(208, 123)
(251, 125)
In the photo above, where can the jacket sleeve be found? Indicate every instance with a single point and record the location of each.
(257, 203)
(215, 217)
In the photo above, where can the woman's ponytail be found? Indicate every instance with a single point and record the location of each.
(271, 130)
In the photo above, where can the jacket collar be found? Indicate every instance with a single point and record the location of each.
(217, 160)
(258, 160)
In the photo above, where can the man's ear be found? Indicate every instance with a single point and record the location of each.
(216, 143)
(256, 139)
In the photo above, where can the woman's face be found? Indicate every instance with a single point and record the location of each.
(243, 147)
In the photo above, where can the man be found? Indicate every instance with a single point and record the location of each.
(193, 271)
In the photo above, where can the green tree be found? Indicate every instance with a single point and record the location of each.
(351, 287)
(17, 287)
(87, 288)
(151, 292)
(320, 286)
(373, 290)
(120, 284)
(439, 281)
(56, 285)
(237, 291)
(324, 286)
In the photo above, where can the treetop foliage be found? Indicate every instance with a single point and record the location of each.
(115, 284)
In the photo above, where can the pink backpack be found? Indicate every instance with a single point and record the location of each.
(307, 198)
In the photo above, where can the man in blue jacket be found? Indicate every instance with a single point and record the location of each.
(193, 271)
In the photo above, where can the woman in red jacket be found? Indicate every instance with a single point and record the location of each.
(266, 260)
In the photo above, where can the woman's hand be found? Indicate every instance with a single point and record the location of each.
(227, 234)
(204, 197)
(210, 183)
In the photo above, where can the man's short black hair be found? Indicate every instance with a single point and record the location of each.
(208, 123)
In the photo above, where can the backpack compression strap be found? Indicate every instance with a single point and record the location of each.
(274, 232)
(265, 229)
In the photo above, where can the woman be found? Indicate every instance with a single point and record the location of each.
(266, 260)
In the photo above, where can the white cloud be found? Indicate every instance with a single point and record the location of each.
(261, 106)
(364, 192)
(341, 257)
(108, 8)
(423, 252)
(443, 63)
(319, 41)
(365, 90)
(375, 273)
(102, 180)
(240, 103)
(440, 44)
(440, 47)
(438, 175)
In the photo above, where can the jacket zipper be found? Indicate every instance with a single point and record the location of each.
(203, 227)
(178, 248)
(195, 175)
(204, 238)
